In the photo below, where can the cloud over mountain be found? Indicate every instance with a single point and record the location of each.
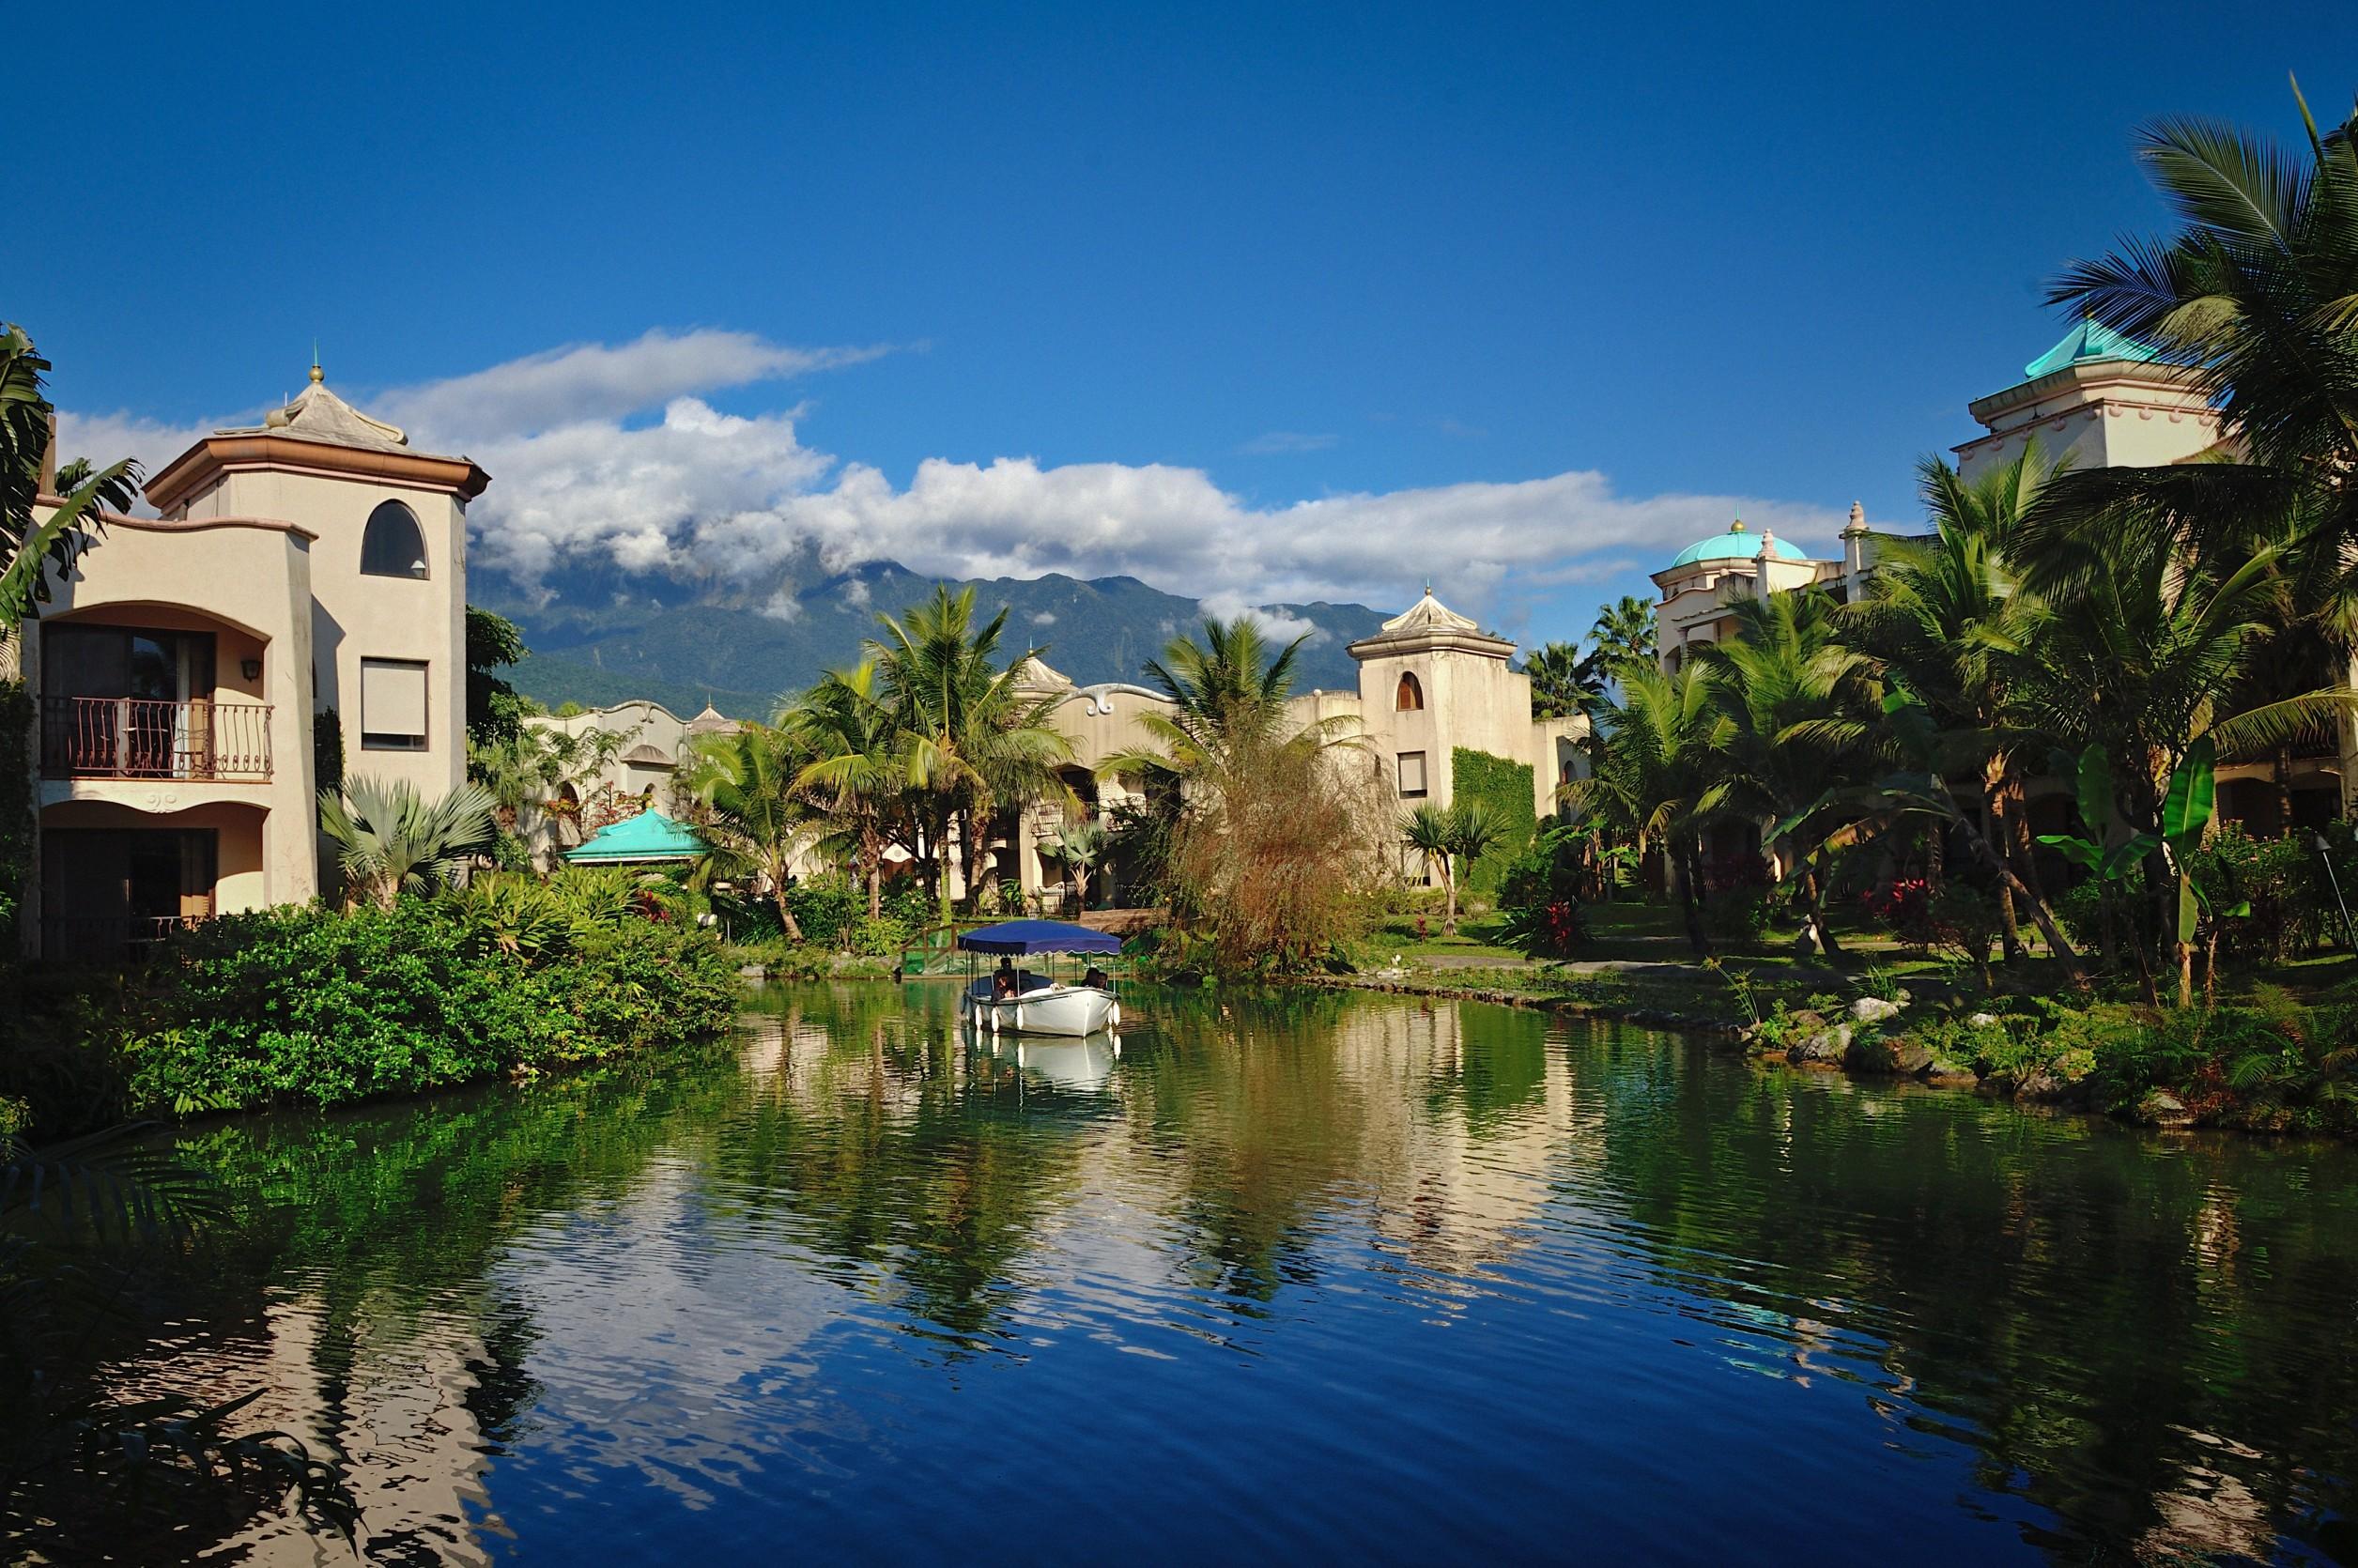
(612, 454)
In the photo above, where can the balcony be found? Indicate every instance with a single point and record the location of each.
(132, 737)
(109, 938)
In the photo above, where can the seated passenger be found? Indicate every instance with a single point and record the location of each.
(1096, 977)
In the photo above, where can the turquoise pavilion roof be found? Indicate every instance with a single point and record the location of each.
(2084, 343)
(649, 835)
(1736, 544)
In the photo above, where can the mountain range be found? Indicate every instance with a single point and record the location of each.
(599, 636)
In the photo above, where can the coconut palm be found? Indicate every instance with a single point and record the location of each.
(972, 738)
(1622, 639)
(1561, 681)
(1802, 710)
(518, 770)
(390, 839)
(1228, 694)
(1656, 756)
(751, 811)
(30, 547)
(2256, 294)
(1949, 619)
(854, 769)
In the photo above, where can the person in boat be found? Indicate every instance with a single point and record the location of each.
(1096, 977)
(1003, 981)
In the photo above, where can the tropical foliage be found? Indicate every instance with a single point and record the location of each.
(30, 546)
(389, 839)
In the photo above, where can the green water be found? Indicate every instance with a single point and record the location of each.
(1301, 1275)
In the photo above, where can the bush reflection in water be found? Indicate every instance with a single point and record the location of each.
(1291, 1273)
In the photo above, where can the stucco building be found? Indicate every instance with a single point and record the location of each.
(2095, 399)
(1432, 683)
(298, 600)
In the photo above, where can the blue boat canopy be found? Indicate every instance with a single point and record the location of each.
(1038, 936)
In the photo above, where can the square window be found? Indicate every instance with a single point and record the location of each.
(392, 705)
(1411, 775)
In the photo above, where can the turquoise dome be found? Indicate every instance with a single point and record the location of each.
(1735, 545)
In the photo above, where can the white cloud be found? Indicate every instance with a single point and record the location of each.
(105, 439)
(700, 494)
(782, 605)
(1044, 618)
(1275, 624)
(1281, 442)
(594, 382)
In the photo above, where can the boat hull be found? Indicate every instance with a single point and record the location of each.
(1072, 1010)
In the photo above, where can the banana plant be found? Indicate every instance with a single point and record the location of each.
(2105, 852)
(2186, 811)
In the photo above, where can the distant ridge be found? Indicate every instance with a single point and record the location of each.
(606, 635)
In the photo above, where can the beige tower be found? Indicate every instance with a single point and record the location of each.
(2101, 398)
(388, 570)
(1431, 680)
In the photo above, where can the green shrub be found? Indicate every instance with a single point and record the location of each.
(825, 907)
(1737, 914)
(304, 1004)
(2278, 877)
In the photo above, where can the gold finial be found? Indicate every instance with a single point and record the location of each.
(1737, 527)
(318, 375)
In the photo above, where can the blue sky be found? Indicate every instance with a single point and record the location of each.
(1523, 299)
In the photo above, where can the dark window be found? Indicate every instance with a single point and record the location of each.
(393, 546)
(1410, 696)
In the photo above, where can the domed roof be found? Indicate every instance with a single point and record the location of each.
(2088, 344)
(1737, 544)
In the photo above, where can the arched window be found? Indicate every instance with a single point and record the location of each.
(1410, 696)
(393, 546)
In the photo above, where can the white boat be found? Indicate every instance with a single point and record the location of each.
(1048, 1007)
(1018, 1001)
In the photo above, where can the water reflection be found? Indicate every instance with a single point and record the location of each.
(1304, 1273)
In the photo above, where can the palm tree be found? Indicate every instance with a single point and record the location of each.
(1466, 831)
(751, 811)
(1427, 830)
(971, 738)
(1228, 694)
(2256, 294)
(30, 547)
(1561, 684)
(1474, 830)
(1082, 847)
(1802, 710)
(389, 839)
(854, 770)
(1622, 639)
(1949, 619)
(518, 770)
(1657, 755)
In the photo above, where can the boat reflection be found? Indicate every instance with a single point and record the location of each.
(1064, 1064)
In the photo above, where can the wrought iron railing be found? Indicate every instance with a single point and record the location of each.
(107, 938)
(134, 737)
